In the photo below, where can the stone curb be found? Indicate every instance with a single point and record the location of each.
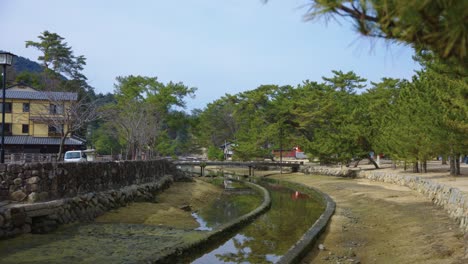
(219, 233)
(454, 201)
(308, 240)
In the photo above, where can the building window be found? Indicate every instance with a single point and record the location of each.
(25, 129)
(55, 109)
(7, 129)
(55, 130)
(7, 107)
(25, 107)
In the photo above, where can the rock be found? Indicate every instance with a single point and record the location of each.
(33, 187)
(18, 217)
(17, 181)
(186, 208)
(18, 196)
(33, 197)
(52, 175)
(33, 180)
(15, 168)
(321, 247)
(43, 196)
(26, 228)
(27, 174)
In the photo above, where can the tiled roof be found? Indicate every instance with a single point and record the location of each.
(59, 96)
(30, 140)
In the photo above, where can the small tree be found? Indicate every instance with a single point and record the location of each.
(68, 117)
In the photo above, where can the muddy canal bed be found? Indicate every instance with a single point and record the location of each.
(181, 215)
(95, 243)
(184, 213)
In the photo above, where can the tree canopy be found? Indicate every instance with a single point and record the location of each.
(62, 69)
(439, 26)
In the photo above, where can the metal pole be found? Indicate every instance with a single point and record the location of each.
(2, 150)
(281, 150)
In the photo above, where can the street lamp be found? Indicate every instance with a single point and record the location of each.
(6, 58)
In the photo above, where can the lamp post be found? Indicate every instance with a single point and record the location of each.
(281, 150)
(6, 58)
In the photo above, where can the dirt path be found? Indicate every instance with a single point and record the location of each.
(383, 223)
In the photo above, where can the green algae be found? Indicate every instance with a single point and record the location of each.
(137, 233)
(97, 243)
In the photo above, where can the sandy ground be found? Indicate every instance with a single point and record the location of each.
(383, 223)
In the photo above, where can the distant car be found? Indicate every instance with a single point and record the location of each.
(75, 156)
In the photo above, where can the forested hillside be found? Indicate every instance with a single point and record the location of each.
(22, 64)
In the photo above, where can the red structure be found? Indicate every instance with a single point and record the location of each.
(295, 152)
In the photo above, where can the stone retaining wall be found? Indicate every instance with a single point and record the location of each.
(454, 201)
(33, 182)
(44, 217)
(37, 197)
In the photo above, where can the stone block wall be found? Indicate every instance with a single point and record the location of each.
(37, 197)
(33, 182)
(43, 217)
(454, 201)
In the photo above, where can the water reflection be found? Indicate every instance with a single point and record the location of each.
(272, 234)
(203, 224)
(298, 195)
(229, 206)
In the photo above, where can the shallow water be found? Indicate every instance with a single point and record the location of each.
(263, 241)
(270, 236)
(124, 237)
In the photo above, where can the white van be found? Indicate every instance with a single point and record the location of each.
(75, 156)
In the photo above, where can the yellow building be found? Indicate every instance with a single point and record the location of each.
(35, 120)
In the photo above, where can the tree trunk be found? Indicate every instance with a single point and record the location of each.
(416, 167)
(424, 166)
(444, 160)
(457, 164)
(405, 165)
(453, 170)
(62, 143)
(357, 163)
(373, 162)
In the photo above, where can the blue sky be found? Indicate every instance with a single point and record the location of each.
(219, 47)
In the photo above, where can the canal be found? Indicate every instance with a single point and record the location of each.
(137, 233)
(267, 238)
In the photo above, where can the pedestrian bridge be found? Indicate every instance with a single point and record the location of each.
(252, 165)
